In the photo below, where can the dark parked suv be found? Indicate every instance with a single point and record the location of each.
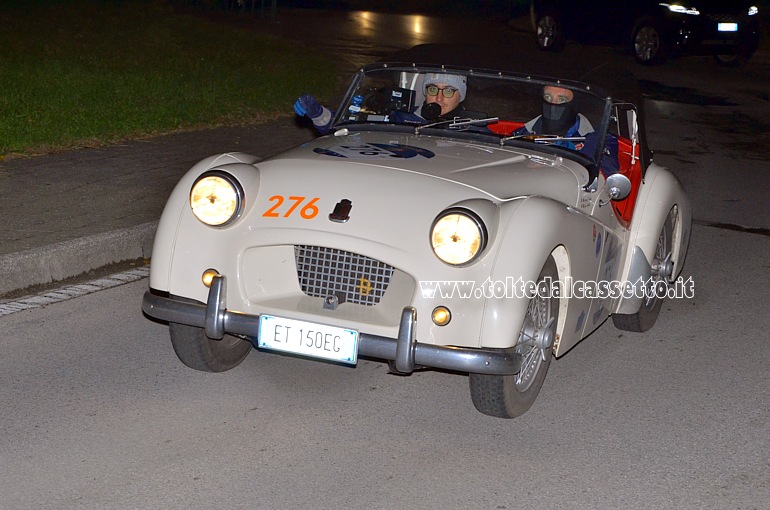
(653, 30)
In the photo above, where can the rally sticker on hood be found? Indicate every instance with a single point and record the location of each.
(374, 151)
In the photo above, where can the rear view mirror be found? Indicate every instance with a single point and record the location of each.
(618, 186)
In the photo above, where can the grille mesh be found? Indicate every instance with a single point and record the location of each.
(351, 277)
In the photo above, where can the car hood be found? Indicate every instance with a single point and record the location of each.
(499, 173)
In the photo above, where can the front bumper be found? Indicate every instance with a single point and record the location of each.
(404, 350)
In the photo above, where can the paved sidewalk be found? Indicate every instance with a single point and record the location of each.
(69, 213)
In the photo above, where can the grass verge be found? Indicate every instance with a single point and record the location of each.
(87, 72)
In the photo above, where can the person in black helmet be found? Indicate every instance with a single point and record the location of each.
(561, 118)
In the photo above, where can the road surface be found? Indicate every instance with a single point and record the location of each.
(98, 413)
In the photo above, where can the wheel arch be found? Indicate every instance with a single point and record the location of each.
(564, 270)
(661, 193)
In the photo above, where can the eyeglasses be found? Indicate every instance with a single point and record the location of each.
(447, 92)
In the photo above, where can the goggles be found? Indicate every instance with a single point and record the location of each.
(447, 92)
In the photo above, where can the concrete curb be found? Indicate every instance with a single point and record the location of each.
(72, 258)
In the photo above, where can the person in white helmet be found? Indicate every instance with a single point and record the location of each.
(445, 91)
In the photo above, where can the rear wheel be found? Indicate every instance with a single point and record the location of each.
(647, 44)
(549, 35)
(196, 350)
(662, 268)
(509, 396)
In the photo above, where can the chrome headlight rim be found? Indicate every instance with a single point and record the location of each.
(479, 223)
(237, 189)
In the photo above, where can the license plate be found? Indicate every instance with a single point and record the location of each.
(727, 27)
(308, 339)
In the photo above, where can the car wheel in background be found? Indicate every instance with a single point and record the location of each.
(647, 43)
(662, 267)
(200, 352)
(549, 33)
(509, 396)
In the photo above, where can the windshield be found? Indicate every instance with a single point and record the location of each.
(513, 109)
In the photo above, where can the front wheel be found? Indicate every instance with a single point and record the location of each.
(196, 350)
(509, 396)
(647, 44)
(549, 34)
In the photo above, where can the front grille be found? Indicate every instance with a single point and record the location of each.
(349, 277)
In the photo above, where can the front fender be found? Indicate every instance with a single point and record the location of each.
(538, 228)
(178, 205)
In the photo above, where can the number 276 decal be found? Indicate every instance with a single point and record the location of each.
(308, 210)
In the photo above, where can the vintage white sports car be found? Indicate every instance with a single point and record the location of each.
(468, 243)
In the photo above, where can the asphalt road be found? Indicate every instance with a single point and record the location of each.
(97, 412)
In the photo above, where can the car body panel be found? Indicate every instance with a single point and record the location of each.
(354, 210)
(435, 184)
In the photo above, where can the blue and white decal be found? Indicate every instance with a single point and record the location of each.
(375, 151)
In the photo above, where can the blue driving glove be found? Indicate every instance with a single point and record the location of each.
(307, 105)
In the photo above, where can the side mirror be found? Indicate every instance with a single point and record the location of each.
(618, 186)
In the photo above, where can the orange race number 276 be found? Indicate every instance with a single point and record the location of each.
(307, 211)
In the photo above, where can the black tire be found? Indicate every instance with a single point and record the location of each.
(648, 44)
(549, 34)
(196, 350)
(647, 315)
(509, 396)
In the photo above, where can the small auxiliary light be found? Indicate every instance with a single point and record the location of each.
(208, 276)
(441, 316)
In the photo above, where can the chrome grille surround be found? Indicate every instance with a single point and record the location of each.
(352, 278)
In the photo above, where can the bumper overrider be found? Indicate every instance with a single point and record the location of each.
(404, 350)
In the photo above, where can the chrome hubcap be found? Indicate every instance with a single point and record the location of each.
(535, 341)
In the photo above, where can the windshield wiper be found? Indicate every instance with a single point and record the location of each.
(457, 123)
(544, 139)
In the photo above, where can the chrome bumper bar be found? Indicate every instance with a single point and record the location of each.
(405, 351)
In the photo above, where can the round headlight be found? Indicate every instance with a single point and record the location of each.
(216, 198)
(458, 236)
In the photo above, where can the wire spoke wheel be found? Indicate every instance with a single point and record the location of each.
(535, 339)
(509, 396)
